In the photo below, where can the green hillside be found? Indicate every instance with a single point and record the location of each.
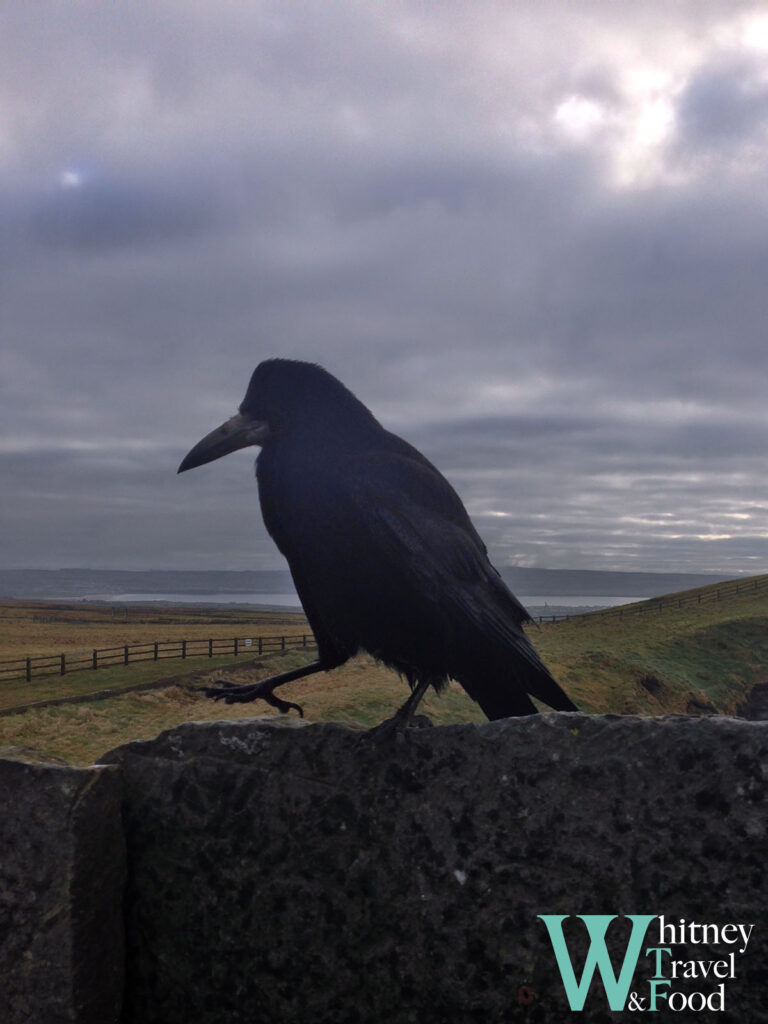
(697, 651)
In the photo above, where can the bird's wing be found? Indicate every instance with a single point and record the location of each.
(420, 540)
(418, 535)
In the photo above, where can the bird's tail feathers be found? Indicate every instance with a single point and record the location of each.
(503, 692)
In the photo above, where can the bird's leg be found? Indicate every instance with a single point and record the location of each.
(232, 693)
(403, 716)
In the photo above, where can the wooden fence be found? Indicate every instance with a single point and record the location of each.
(157, 650)
(686, 599)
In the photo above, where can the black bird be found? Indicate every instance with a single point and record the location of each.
(382, 552)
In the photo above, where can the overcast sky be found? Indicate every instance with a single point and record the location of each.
(532, 237)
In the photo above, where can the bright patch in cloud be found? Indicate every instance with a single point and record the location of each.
(70, 178)
(756, 33)
(579, 117)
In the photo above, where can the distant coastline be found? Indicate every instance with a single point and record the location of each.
(542, 591)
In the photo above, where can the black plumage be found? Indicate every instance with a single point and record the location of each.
(383, 553)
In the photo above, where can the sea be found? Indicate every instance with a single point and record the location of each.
(537, 605)
(259, 600)
(544, 592)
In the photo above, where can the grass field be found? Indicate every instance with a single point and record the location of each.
(701, 657)
(29, 629)
(46, 629)
(696, 659)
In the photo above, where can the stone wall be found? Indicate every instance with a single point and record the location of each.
(313, 874)
(62, 875)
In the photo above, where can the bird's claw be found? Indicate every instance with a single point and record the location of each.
(421, 722)
(224, 693)
(283, 706)
(233, 693)
(393, 729)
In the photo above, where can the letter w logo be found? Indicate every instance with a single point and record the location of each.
(616, 989)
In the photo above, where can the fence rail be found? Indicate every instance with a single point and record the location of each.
(156, 650)
(686, 599)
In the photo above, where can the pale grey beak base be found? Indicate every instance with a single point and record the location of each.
(238, 432)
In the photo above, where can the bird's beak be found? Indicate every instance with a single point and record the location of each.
(238, 432)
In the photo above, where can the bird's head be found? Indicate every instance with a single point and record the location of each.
(286, 398)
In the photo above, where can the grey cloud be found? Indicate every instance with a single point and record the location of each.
(596, 437)
(723, 105)
(130, 509)
(105, 214)
(383, 190)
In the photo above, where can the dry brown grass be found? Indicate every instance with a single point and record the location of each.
(360, 693)
(29, 629)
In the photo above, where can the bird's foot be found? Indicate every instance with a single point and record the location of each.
(421, 722)
(234, 693)
(403, 717)
(394, 728)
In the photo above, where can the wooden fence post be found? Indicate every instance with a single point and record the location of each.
(95, 662)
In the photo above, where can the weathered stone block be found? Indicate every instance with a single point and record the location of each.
(314, 875)
(62, 872)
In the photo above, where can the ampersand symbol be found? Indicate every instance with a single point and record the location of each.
(635, 1002)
